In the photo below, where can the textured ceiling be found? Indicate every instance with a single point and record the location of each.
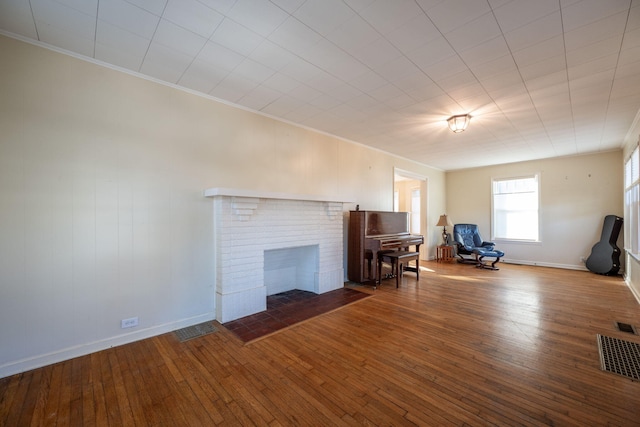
(541, 78)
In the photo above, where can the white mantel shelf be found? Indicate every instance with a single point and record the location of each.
(237, 192)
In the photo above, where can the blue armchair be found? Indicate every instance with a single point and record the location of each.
(472, 249)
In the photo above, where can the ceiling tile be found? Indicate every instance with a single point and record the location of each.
(16, 17)
(519, 13)
(416, 32)
(259, 98)
(344, 92)
(71, 41)
(304, 93)
(281, 83)
(165, 63)
(193, 16)
(304, 112)
(118, 57)
(453, 14)
(385, 93)
(281, 106)
(263, 17)
(476, 32)
(179, 39)
(359, 5)
(592, 67)
(367, 81)
(233, 88)
(610, 27)
(64, 19)
(112, 40)
(543, 68)
(593, 51)
(219, 56)
(154, 6)
(631, 40)
(377, 53)
(324, 16)
(589, 11)
(325, 102)
(345, 67)
(397, 69)
(353, 35)
(432, 53)
(87, 7)
(289, 6)
(271, 55)
(444, 69)
(539, 52)
(324, 82)
(129, 17)
(202, 76)
(251, 70)
(386, 16)
(236, 37)
(295, 37)
(486, 52)
(493, 68)
(301, 70)
(534, 33)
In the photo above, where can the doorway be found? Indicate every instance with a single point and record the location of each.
(410, 195)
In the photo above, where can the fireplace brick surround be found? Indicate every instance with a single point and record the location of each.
(248, 223)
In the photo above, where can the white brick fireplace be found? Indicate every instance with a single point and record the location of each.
(301, 238)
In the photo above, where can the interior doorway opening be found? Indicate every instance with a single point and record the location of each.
(410, 195)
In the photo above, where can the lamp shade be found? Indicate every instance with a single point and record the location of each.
(444, 221)
(458, 123)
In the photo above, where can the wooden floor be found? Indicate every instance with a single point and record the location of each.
(463, 347)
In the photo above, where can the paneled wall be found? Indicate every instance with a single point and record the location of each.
(102, 214)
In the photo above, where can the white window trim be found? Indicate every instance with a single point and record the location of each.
(631, 223)
(538, 241)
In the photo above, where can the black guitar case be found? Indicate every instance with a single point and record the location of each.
(605, 255)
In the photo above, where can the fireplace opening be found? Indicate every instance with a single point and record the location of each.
(286, 269)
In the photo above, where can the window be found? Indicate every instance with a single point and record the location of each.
(631, 201)
(515, 208)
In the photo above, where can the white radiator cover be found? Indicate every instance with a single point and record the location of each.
(246, 224)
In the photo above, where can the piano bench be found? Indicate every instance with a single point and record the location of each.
(398, 261)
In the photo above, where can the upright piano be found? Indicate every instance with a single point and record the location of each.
(371, 232)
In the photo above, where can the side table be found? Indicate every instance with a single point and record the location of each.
(444, 253)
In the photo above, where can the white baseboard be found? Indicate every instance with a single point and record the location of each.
(545, 264)
(631, 288)
(41, 360)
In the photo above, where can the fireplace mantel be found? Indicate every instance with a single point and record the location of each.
(238, 192)
(248, 225)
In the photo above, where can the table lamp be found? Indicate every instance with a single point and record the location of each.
(443, 222)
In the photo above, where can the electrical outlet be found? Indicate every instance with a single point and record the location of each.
(129, 323)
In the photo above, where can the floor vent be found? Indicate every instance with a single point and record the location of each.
(625, 327)
(195, 331)
(619, 357)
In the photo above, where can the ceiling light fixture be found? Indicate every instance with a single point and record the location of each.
(459, 123)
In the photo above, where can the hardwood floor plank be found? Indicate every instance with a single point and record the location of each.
(43, 388)
(127, 388)
(462, 346)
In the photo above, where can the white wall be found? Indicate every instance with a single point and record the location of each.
(575, 195)
(102, 215)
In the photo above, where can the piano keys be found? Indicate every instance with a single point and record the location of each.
(371, 232)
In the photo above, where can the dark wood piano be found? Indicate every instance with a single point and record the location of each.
(374, 231)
